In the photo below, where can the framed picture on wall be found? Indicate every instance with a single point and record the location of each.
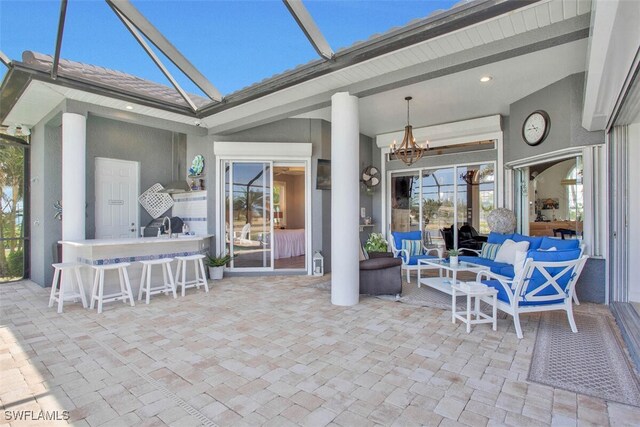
(323, 175)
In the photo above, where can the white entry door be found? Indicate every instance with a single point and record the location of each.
(116, 198)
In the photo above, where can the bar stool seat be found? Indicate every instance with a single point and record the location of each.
(168, 283)
(59, 292)
(98, 285)
(181, 272)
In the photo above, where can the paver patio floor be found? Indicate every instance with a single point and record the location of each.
(274, 351)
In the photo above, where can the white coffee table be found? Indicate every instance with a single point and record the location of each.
(443, 284)
(478, 291)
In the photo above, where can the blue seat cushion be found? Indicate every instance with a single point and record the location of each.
(399, 236)
(495, 267)
(413, 260)
(502, 295)
(534, 242)
(559, 244)
(498, 237)
(507, 271)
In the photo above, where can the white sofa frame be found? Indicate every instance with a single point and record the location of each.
(405, 256)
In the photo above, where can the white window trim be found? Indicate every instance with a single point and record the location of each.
(276, 152)
(455, 167)
(594, 225)
(480, 129)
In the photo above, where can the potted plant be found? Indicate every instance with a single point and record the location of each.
(215, 265)
(376, 245)
(453, 256)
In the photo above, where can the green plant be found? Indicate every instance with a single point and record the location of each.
(376, 243)
(454, 252)
(218, 260)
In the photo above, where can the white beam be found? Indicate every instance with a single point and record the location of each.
(74, 148)
(56, 56)
(161, 42)
(155, 59)
(5, 59)
(309, 28)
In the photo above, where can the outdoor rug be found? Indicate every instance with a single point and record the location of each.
(423, 297)
(590, 362)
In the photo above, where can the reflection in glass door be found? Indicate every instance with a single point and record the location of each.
(247, 214)
(441, 202)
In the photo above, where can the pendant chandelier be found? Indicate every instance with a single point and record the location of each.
(409, 152)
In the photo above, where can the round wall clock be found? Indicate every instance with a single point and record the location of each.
(536, 127)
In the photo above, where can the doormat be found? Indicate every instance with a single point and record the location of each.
(591, 362)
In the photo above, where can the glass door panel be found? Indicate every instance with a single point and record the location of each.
(438, 204)
(405, 202)
(12, 214)
(248, 213)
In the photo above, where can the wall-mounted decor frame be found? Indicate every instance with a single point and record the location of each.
(323, 175)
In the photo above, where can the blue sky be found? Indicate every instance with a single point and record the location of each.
(233, 43)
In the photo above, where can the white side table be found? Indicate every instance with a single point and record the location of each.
(478, 291)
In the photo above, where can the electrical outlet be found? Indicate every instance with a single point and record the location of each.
(363, 212)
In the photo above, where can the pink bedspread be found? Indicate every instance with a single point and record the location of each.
(288, 243)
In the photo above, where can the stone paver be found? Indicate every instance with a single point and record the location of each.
(273, 351)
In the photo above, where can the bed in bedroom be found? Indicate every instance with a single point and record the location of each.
(288, 243)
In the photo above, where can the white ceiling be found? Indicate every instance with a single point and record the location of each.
(462, 96)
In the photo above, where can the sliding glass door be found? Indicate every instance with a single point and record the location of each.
(247, 214)
(434, 200)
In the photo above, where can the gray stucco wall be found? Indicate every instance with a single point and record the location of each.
(316, 132)
(45, 190)
(113, 139)
(110, 133)
(563, 101)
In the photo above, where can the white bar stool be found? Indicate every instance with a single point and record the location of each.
(59, 292)
(201, 277)
(168, 284)
(98, 285)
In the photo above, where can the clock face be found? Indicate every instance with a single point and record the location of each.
(535, 128)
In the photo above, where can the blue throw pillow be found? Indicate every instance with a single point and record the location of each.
(413, 246)
(489, 250)
(534, 242)
(559, 244)
(498, 238)
(399, 236)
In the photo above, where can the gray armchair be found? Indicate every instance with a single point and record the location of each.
(381, 276)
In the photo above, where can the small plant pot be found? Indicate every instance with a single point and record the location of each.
(453, 260)
(216, 273)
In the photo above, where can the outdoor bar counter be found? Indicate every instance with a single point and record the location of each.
(132, 250)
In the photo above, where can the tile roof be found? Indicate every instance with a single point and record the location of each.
(113, 79)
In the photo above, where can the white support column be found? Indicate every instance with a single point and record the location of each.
(74, 148)
(345, 199)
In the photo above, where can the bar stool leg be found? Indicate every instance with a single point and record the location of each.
(128, 286)
(163, 267)
(54, 285)
(148, 285)
(61, 291)
(171, 282)
(83, 298)
(100, 291)
(184, 276)
(204, 276)
(195, 267)
(94, 291)
(144, 271)
(122, 290)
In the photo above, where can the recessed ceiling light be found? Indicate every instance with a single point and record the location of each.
(129, 107)
(485, 79)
